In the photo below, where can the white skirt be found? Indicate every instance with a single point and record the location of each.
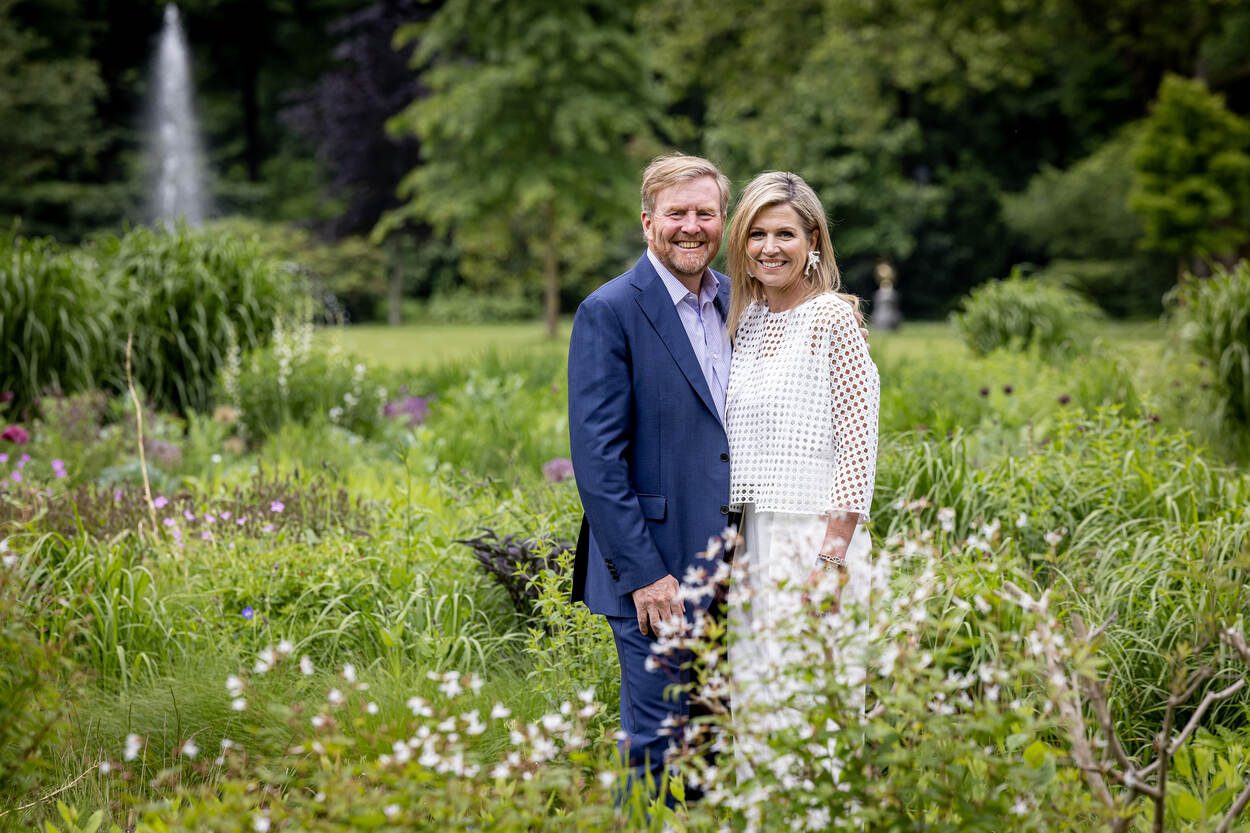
(772, 665)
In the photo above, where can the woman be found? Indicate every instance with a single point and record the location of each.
(801, 416)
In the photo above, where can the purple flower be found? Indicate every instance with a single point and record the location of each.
(225, 516)
(206, 535)
(161, 502)
(240, 521)
(17, 476)
(4, 458)
(277, 506)
(210, 518)
(267, 528)
(169, 522)
(186, 513)
(58, 468)
(117, 495)
(558, 469)
(15, 434)
(414, 408)
(248, 613)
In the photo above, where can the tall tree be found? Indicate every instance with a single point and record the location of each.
(49, 136)
(344, 113)
(1192, 174)
(536, 113)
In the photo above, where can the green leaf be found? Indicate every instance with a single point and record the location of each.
(1036, 754)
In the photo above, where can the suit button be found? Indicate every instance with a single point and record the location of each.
(724, 509)
(724, 456)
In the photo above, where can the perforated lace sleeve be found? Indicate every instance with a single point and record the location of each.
(856, 400)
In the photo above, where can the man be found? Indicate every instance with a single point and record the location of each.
(648, 372)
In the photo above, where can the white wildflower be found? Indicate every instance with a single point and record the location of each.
(305, 666)
(349, 672)
(334, 697)
(500, 712)
(238, 704)
(419, 707)
(189, 748)
(134, 745)
(260, 823)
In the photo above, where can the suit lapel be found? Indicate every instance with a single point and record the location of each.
(657, 305)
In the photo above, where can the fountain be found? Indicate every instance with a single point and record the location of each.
(174, 145)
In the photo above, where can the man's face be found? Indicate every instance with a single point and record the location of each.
(685, 229)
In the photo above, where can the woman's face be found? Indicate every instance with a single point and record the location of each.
(777, 247)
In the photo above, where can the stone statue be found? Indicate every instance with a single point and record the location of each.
(885, 312)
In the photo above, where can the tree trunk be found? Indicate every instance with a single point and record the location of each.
(551, 276)
(395, 295)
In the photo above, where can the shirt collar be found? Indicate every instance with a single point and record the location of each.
(677, 290)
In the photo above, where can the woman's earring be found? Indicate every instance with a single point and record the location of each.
(813, 258)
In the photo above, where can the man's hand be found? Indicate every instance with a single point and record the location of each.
(656, 602)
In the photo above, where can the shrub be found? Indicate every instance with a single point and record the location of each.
(1214, 318)
(291, 381)
(31, 701)
(466, 306)
(1020, 313)
(188, 298)
(55, 321)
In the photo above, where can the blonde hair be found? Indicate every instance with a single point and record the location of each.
(765, 191)
(674, 168)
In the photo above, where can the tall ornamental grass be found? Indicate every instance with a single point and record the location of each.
(189, 298)
(56, 320)
(1020, 313)
(1214, 318)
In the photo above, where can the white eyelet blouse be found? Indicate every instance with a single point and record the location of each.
(801, 410)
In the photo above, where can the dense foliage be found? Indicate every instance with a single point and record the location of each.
(927, 127)
(1019, 313)
(302, 633)
(57, 321)
(186, 299)
(1214, 316)
(1192, 174)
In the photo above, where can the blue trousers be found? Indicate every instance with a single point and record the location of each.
(652, 717)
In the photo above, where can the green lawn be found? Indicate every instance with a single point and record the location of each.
(424, 345)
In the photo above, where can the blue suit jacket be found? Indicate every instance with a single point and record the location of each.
(649, 451)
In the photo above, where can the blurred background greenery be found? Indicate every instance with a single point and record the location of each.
(477, 160)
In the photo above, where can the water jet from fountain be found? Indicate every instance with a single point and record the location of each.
(176, 159)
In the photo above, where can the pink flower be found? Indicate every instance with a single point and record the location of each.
(161, 502)
(4, 458)
(58, 468)
(277, 506)
(15, 434)
(17, 476)
(558, 469)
